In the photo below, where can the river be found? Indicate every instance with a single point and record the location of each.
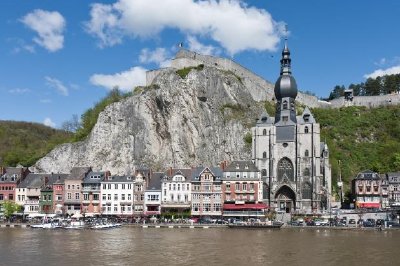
(212, 246)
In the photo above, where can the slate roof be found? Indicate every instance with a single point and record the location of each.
(78, 173)
(367, 174)
(119, 179)
(155, 181)
(241, 166)
(216, 171)
(89, 180)
(186, 172)
(33, 181)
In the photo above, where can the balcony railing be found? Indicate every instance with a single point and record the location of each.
(31, 202)
(91, 189)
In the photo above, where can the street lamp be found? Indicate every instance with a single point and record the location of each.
(340, 184)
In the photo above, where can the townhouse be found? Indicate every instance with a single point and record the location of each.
(117, 195)
(176, 192)
(242, 190)
(206, 191)
(73, 189)
(152, 196)
(91, 189)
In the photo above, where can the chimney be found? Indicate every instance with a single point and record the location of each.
(108, 175)
(170, 171)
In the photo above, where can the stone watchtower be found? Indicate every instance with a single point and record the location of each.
(294, 163)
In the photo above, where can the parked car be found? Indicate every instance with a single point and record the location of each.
(380, 222)
(352, 221)
(321, 223)
(310, 223)
(392, 224)
(368, 224)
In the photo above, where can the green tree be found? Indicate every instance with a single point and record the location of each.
(373, 86)
(337, 92)
(396, 163)
(9, 207)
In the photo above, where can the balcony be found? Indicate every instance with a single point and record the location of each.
(91, 189)
(72, 201)
(31, 202)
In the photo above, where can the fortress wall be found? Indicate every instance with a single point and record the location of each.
(261, 89)
(368, 101)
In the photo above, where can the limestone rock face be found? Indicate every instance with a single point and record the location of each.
(197, 120)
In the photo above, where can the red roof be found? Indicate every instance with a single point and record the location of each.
(249, 206)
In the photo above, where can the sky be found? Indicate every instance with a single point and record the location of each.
(58, 58)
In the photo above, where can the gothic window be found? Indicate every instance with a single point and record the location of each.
(264, 172)
(306, 153)
(306, 172)
(306, 130)
(306, 191)
(264, 154)
(285, 105)
(285, 170)
(264, 132)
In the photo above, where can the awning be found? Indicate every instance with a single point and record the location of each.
(250, 206)
(368, 204)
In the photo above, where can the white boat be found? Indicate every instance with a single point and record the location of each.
(75, 225)
(46, 226)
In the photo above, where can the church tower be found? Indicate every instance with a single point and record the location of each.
(286, 148)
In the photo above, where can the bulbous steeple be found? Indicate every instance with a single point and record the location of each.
(286, 85)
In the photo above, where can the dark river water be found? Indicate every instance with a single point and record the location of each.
(212, 246)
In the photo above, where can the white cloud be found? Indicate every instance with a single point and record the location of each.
(56, 84)
(19, 91)
(47, 122)
(383, 72)
(160, 56)
(196, 46)
(231, 23)
(49, 26)
(125, 80)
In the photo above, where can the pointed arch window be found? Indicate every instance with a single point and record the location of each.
(264, 132)
(306, 191)
(264, 172)
(306, 153)
(264, 154)
(306, 130)
(285, 105)
(306, 172)
(285, 170)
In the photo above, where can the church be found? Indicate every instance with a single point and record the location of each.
(288, 151)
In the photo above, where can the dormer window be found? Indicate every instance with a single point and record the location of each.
(306, 118)
(285, 105)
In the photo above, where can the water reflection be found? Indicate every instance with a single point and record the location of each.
(136, 246)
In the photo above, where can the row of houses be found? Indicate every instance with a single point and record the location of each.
(374, 190)
(228, 190)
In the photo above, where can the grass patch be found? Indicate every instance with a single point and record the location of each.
(186, 70)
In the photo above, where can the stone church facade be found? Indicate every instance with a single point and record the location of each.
(288, 151)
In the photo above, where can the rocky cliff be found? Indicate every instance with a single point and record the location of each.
(177, 120)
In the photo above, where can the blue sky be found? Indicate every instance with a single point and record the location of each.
(60, 57)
